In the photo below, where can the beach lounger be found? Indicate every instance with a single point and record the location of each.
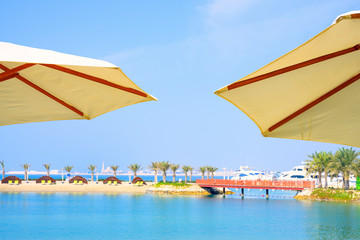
(49, 181)
(115, 183)
(16, 182)
(43, 181)
(10, 182)
(109, 182)
(81, 182)
(75, 181)
(139, 183)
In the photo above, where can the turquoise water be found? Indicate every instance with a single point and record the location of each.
(105, 216)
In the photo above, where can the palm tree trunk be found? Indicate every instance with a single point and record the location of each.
(164, 176)
(202, 176)
(344, 181)
(3, 173)
(174, 177)
(208, 175)
(320, 182)
(92, 176)
(190, 175)
(326, 183)
(155, 177)
(212, 175)
(185, 177)
(135, 174)
(48, 173)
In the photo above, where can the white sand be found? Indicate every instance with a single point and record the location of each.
(31, 186)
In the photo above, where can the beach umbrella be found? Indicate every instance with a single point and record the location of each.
(41, 85)
(310, 93)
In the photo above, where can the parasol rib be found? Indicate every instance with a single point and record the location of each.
(95, 79)
(315, 102)
(8, 76)
(11, 73)
(293, 67)
(14, 73)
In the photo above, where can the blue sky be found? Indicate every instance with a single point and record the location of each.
(180, 51)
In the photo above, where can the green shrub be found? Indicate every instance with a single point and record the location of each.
(175, 184)
(333, 194)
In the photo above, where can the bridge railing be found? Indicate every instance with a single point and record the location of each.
(281, 184)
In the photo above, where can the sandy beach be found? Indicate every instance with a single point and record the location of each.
(31, 186)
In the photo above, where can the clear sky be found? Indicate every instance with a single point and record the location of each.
(180, 51)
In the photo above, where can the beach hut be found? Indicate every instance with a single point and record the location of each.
(46, 180)
(78, 180)
(11, 180)
(111, 180)
(138, 179)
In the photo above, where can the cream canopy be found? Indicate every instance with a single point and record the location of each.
(311, 93)
(41, 85)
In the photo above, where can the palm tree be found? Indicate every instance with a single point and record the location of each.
(174, 168)
(134, 167)
(68, 168)
(202, 170)
(185, 169)
(326, 158)
(114, 168)
(320, 163)
(314, 165)
(212, 170)
(3, 168)
(191, 170)
(345, 161)
(92, 169)
(208, 168)
(26, 167)
(155, 167)
(164, 166)
(47, 167)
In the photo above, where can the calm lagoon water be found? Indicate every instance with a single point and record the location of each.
(105, 216)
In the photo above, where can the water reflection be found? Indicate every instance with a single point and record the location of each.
(328, 220)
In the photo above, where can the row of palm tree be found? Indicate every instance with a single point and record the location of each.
(155, 166)
(209, 170)
(165, 166)
(345, 162)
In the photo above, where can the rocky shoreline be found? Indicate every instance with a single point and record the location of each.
(192, 189)
(338, 195)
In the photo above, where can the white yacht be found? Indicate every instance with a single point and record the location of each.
(298, 172)
(246, 173)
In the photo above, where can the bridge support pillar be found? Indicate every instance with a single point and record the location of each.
(267, 193)
(242, 193)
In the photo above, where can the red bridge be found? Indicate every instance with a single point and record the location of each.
(297, 185)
